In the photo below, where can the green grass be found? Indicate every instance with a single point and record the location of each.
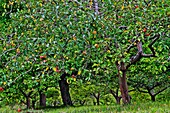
(148, 107)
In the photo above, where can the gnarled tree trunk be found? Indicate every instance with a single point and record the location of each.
(64, 89)
(122, 82)
(124, 88)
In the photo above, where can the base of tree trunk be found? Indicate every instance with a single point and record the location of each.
(64, 89)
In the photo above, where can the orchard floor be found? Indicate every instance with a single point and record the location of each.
(147, 107)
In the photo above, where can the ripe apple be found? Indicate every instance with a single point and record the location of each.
(96, 45)
(71, 69)
(1, 89)
(57, 70)
(136, 6)
(19, 110)
(119, 16)
(73, 76)
(84, 53)
(147, 34)
(94, 32)
(144, 30)
(43, 57)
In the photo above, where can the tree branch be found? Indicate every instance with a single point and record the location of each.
(30, 93)
(161, 90)
(141, 90)
(96, 7)
(138, 56)
(156, 37)
(23, 102)
(131, 46)
(113, 93)
(140, 53)
(131, 90)
(23, 92)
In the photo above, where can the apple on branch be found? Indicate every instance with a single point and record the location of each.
(19, 110)
(56, 69)
(43, 57)
(1, 89)
(73, 76)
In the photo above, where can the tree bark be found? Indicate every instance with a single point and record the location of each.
(82, 102)
(98, 101)
(124, 88)
(64, 89)
(33, 104)
(97, 97)
(118, 100)
(153, 98)
(42, 99)
(116, 95)
(28, 102)
(122, 82)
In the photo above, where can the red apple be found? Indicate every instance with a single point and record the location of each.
(144, 30)
(57, 70)
(73, 76)
(19, 110)
(147, 34)
(119, 16)
(1, 89)
(136, 6)
(43, 57)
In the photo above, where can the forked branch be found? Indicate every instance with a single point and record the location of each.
(156, 37)
(140, 53)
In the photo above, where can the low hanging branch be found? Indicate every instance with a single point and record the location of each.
(140, 53)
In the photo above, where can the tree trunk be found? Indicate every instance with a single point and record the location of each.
(54, 103)
(64, 89)
(28, 102)
(124, 88)
(82, 102)
(27, 96)
(94, 103)
(153, 98)
(98, 101)
(97, 97)
(33, 104)
(118, 100)
(42, 99)
(116, 95)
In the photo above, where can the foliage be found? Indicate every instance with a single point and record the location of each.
(47, 38)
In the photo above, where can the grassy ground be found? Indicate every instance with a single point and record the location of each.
(148, 107)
